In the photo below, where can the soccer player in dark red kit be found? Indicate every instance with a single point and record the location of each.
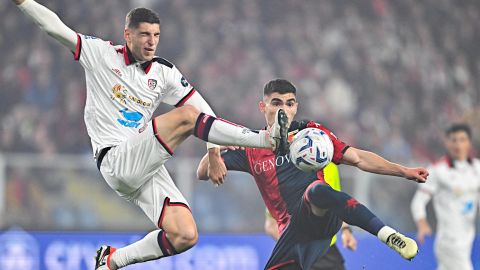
(308, 211)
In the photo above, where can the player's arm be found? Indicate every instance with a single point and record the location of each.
(216, 170)
(418, 206)
(419, 213)
(233, 159)
(202, 170)
(181, 93)
(371, 162)
(271, 227)
(49, 22)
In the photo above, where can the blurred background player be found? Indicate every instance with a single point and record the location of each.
(454, 186)
(125, 85)
(309, 212)
(333, 259)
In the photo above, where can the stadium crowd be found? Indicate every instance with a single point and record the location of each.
(395, 72)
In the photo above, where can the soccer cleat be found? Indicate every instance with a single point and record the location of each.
(103, 254)
(406, 247)
(279, 133)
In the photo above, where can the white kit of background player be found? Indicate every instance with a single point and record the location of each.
(454, 186)
(125, 84)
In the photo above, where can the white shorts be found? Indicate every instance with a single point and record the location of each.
(453, 258)
(135, 170)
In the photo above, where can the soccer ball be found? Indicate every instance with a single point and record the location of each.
(311, 150)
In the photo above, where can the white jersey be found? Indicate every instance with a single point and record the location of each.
(122, 94)
(454, 187)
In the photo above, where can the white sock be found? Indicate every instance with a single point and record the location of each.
(146, 249)
(222, 132)
(384, 233)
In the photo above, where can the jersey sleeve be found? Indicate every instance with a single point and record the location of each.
(236, 160)
(178, 90)
(339, 147)
(90, 50)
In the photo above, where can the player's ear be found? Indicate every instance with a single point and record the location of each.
(126, 34)
(261, 106)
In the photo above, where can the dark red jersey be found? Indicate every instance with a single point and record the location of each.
(281, 184)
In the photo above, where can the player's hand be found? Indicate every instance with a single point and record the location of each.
(423, 230)
(348, 240)
(216, 167)
(18, 2)
(418, 175)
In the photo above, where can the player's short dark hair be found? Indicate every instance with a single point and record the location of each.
(140, 15)
(280, 86)
(457, 128)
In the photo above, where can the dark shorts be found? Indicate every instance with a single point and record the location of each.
(333, 260)
(306, 239)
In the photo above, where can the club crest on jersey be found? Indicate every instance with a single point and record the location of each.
(152, 83)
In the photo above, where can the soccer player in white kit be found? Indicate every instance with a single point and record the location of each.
(125, 84)
(454, 185)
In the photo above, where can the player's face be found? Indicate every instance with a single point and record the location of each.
(458, 145)
(271, 103)
(143, 40)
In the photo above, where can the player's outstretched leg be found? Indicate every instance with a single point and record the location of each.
(222, 132)
(322, 196)
(153, 246)
(175, 126)
(179, 234)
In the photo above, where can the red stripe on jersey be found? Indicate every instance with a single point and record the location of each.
(268, 185)
(125, 55)
(148, 68)
(78, 48)
(339, 147)
(185, 98)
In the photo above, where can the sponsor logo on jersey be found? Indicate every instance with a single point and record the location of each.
(262, 166)
(90, 37)
(131, 119)
(139, 101)
(142, 129)
(152, 83)
(468, 207)
(184, 82)
(117, 71)
(120, 94)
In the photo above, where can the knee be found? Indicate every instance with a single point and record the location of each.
(320, 189)
(184, 239)
(320, 195)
